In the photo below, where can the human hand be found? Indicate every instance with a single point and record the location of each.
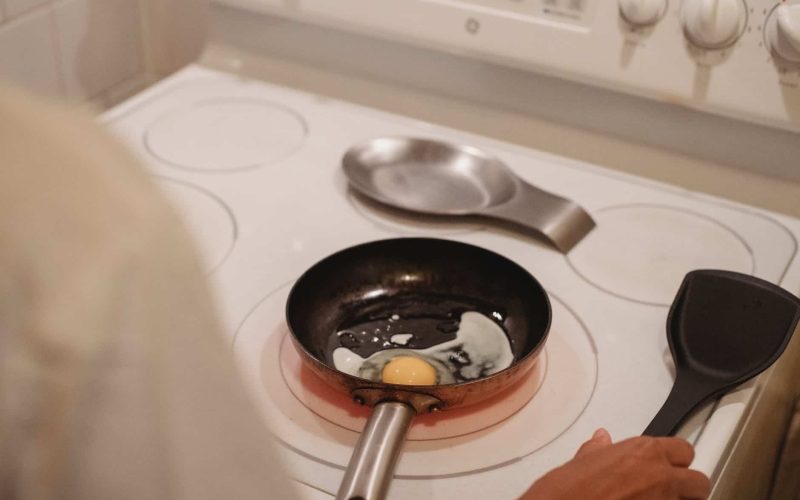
(637, 468)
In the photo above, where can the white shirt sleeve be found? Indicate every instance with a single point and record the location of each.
(115, 381)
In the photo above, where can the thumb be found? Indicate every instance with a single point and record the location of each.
(600, 439)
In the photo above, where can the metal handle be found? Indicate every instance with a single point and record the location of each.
(372, 465)
(562, 222)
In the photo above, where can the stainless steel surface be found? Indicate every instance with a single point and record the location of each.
(445, 179)
(760, 432)
(787, 482)
(561, 221)
(372, 464)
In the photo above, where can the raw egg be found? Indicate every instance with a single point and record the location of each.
(480, 348)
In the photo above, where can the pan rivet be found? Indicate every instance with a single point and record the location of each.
(359, 400)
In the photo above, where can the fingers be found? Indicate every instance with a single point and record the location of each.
(689, 484)
(675, 451)
(692, 484)
(600, 439)
(678, 451)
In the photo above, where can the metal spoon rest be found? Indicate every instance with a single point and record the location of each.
(439, 178)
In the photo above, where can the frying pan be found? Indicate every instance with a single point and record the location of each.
(723, 329)
(369, 279)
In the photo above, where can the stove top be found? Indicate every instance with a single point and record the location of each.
(255, 171)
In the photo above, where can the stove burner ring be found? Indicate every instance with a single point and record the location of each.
(571, 360)
(226, 134)
(633, 253)
(207, 217)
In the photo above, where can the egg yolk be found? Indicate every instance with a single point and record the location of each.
(408, 370)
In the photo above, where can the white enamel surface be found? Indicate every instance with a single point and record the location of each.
(721, 426)
(226, 135)
(298, 210)
(405, 223)
(650, 265)
(207, 219)
(712, 23)
(642, 12)
(307, 492)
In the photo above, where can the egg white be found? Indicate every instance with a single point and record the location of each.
(480, 348)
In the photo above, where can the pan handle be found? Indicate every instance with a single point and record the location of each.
(372, 464)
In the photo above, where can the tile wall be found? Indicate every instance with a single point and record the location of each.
(83, 50)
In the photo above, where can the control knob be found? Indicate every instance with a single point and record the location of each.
(783, 31)
(713, 24)
(642, 12)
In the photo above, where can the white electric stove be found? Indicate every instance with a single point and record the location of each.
(255, 170)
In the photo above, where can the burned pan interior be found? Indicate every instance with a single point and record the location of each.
(340, 286)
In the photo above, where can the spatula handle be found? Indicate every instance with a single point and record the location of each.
(686, 396)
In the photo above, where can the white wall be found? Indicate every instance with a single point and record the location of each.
(97, 51)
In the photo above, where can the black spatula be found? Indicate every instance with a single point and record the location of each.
(723, 329)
